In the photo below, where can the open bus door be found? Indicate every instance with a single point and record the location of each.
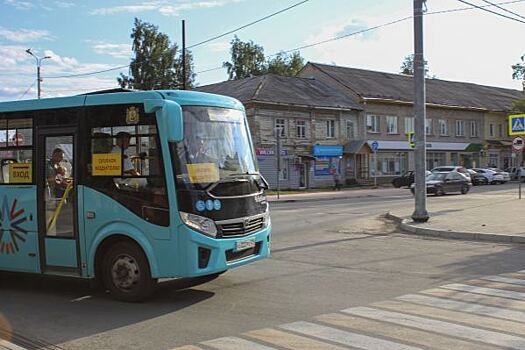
(57, 201)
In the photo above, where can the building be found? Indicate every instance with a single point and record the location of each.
(466, 123)
(318, 127)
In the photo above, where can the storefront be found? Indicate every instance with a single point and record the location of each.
(328, 161)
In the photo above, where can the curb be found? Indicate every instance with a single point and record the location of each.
(407, 226)
(318, 199)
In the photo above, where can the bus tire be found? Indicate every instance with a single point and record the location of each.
(126, 272)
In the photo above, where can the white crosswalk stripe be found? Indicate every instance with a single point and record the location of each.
(346, 338)
(485, 291)
(505, 280)
(465, 307)
(459, 316)
(448, 328)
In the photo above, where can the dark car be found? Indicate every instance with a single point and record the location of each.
(406, 179)
(477, 179)
(440, 183)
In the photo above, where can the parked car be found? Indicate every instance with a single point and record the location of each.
(456, 168)
(406, 179)
(492, 176)
(515, 172)
(504, 174)
(477, 178)
(440, 183)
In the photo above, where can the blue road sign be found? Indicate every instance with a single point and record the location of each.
(375, 146)
(517, 124)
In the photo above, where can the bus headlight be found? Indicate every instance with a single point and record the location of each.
(199, 223)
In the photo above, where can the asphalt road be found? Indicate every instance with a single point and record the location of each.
(326, 256)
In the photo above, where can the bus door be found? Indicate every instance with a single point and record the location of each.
(57, 200)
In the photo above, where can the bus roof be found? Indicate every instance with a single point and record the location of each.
(121, 96)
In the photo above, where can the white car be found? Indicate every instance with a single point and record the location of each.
(491, 175)
(462, 170)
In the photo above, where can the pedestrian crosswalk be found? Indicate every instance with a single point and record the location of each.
(482, 314)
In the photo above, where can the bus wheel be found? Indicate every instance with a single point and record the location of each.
(126, 272)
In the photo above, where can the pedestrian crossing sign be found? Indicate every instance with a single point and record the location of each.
(412, 139)
(517, 124)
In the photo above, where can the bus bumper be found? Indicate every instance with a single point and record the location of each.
(205, 255)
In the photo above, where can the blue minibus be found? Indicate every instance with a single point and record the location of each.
(126, 187)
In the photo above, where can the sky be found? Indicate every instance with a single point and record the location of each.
(469, 45)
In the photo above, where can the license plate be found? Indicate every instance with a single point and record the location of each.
(243, 245)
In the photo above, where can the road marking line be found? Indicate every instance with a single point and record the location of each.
(401, 333)
(475, 298)
(505, 280)
(496, 285)
(234, 343)
(188, 347)
(477, 309)
(486, 291)
(290, 341)
(473, 320)
(4, 344)
(346, 338)
(455, 330)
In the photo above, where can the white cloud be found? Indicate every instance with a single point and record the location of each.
(24, 35)
(20, 5)
(113, 50)
(163, 7)
(64, 4)
(219, 47)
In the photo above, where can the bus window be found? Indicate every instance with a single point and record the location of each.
(16, 153)
(125, 161)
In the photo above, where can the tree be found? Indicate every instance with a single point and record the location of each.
(407, 67)
(519, 71)
(283, 64)
(247, 60)
(155, 65)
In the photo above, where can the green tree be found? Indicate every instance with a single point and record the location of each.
(156, 64)
(407, 67)
(247, 59)
(518, 71)
(284, 64)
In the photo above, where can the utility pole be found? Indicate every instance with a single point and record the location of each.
(183, 55)
(38, 64)
(420, 213)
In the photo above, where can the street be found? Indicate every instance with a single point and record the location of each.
(327, 256)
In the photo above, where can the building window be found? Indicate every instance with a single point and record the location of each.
(390, 164)
(301, 129)
(409, 124)
(391, 125)
(500, 130)
(491, 130)
(350, 129)
(460, 128)
(493, 160)
(280, 126)
(428, 126)
(443, 127)
(372, 123)
(435, 159)
(474, 132)
(330, 128)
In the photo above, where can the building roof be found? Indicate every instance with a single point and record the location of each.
(397, 87)
(272, 88)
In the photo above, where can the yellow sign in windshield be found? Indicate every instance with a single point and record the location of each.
(203, 172)
(20, 173)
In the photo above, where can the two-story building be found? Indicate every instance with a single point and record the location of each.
(466, 123)
(316, 125)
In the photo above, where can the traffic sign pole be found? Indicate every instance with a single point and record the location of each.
(517, 145)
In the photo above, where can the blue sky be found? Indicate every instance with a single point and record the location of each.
(87, 36)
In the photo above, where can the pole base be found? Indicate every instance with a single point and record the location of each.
(420, 216)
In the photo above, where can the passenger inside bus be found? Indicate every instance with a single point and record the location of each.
(122, 147)
(56, 188)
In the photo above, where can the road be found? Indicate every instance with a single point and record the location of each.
(327, 256)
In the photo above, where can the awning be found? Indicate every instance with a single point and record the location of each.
(306, 156)
(431, 146)
(474, 147)
(357, 147)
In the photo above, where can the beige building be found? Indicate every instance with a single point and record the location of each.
(466, 123)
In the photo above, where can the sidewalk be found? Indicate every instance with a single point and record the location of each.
(356, 192)
(491, 216)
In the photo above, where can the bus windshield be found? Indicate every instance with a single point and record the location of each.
(216, 148)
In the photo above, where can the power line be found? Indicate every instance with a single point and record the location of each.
(504, 9)
(89, 73)
(494, 12)
(247, 25)
(29, 88)
(472, 8)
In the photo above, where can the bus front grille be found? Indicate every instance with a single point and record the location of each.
(240, 227)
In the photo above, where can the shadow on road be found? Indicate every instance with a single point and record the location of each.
(66, 309)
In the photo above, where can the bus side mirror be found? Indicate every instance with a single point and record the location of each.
(169, 117)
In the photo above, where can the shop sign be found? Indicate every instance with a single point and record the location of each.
(269, 152)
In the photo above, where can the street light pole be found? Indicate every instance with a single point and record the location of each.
(38, 64)
(420, 213)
